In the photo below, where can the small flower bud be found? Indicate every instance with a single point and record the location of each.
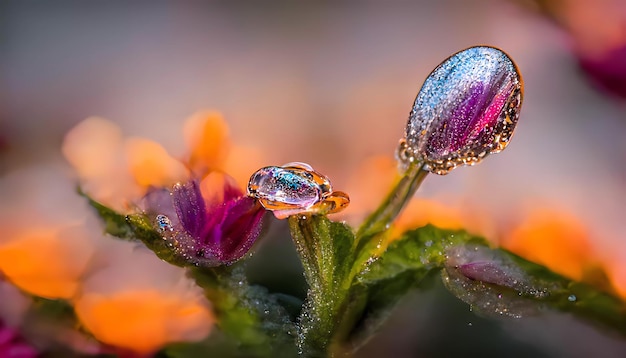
(490, 281)
(467, 108)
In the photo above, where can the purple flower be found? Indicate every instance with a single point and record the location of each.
(13, 346)
(607, 72)
(467, 108)
(204, 233)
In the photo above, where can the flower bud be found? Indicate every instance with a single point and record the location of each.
(467, 108)
(490, 281)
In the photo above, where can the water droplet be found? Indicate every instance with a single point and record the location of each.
(295, 188)
(467, 108)
(164, 223)
(572, 298)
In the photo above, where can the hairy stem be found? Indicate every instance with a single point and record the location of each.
(395, 201)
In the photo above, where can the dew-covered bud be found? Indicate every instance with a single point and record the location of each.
(467, 108)
(490, 281)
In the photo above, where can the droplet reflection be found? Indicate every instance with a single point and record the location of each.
(295, 188)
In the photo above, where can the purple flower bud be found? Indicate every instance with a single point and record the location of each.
(490, 281)
(207, 235)
(480, 263)
(467, 108)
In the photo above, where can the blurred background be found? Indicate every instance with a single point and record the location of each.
(331, 83)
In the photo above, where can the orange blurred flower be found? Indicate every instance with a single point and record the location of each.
(48, 239)
(141, 303)
(143, 321)
(207, 136)
(47, 262)
(555, 239)
(53, 247)
(117, 171)
(616, 270)
(421, 212)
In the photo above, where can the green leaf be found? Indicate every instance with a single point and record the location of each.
(579, 298)
(136, 227)
(115, 223)
(493, 281)
(251, 319)
(399, 269)
(420, 249)
(143, 230)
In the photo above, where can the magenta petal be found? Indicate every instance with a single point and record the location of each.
(216, 235)
(190, 208)
(607, 72)
(231, 190)
(19, 350)
(13, 345)
(241, 228)
(6, 335)
(223, 234)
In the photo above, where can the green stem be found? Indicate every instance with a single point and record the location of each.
(324, 248)
(330, 255)
(395, 201)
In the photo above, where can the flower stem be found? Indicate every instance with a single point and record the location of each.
(395, 201)
(333, 303)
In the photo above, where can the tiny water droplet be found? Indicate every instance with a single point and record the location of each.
(164, 223)
(572, 298)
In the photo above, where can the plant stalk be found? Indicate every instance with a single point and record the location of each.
(393, 204)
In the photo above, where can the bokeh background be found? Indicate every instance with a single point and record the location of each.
(331, 83)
